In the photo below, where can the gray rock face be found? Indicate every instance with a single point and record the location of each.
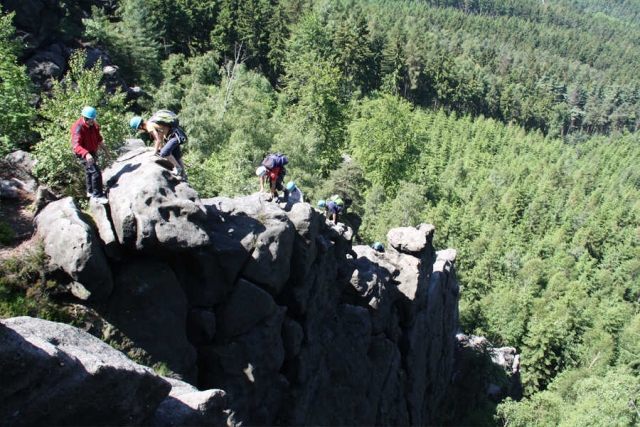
(154, 209)
(149, 306)
(74, 247)
(266, 308)
(54, 374)
(188, 406)
(19, 164)
(46, 29)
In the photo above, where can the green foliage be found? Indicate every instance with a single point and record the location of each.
(406, 209)
(629, 343)
(382, 140)
(57, 165)
(229, 130)
(162, 369)
(579, 398)
(24, 290)
(314, 88)
(7, 235)
(181, 74)
(17, 114)
(132, 41)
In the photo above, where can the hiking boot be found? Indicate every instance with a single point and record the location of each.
(89, 194)
(177, 171)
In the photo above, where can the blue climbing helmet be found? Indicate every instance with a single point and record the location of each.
(135, 122)
(321, 203)
(89, 112)
(291, 185)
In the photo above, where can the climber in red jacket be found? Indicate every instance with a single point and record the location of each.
(86, 138)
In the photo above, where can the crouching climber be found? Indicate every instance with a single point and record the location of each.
(333, 207)
(273, 170)
(294, 193)
(163, 129)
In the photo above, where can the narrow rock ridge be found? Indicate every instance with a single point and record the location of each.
(265, 312)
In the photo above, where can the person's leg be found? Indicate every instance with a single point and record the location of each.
(279, 186)
(96, 180)
(88, 178)
(88, 174)
(168, 149)
(177, 154)
(172, 159)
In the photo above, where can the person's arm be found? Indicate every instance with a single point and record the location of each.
(104, 148)
(262, 184)
(157, 133)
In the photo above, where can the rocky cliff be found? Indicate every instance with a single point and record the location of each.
(266, 305)
(49, 31)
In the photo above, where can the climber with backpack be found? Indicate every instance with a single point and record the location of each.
(272, 169)
(332, 206)
(164, 128)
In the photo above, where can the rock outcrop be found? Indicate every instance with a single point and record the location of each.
(55, 374)
(265, 309)
(49, 31)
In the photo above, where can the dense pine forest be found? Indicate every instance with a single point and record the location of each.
(511, 125)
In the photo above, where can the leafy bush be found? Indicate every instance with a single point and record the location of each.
(16, 114)
(57, 165)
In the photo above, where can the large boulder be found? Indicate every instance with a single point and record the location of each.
(188, 406)
(151, 209)
(46, 66)
(263, 230)
(74, 247)
(55, 374)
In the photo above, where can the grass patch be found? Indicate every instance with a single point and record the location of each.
(24, 290)
(161, 369)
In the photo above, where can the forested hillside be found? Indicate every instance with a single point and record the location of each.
(511, 125)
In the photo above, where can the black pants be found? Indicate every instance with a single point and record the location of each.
(93, 174)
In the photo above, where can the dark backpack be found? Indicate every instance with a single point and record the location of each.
(170, 119)
(273, 160)
(178, 133)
